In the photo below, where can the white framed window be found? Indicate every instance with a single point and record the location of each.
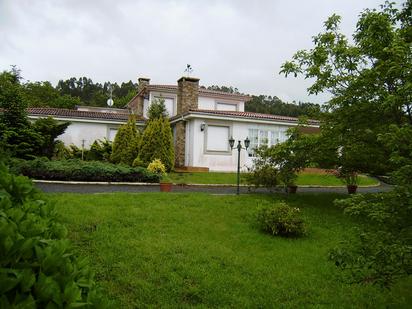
(112, 134)
(220, 106)
(217, 139)
(260, 137)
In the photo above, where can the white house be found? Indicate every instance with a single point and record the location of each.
(202, 120)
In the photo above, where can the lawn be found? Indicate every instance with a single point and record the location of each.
(230, 178)
(183, 250)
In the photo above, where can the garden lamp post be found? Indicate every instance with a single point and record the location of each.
(239, 148)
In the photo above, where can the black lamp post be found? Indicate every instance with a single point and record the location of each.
(239, 148)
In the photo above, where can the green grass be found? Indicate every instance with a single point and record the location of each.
(183, 250)
(230, 178)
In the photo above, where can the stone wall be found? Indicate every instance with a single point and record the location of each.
(187, 94)
(180, 142)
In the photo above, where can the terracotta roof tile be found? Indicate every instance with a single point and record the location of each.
(251, 115)
(72, 113)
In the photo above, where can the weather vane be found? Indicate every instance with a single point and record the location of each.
(110, 100)
(189, 69)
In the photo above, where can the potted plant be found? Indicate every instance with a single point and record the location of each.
(350, 178)
(157, 167)
(165, 183)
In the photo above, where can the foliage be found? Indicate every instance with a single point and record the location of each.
(273, 105)
(157, 143)
(44, 169)
(365, 125)
(263, 173)
(157, 109)
(284, 160)
(100, 150)
(138, 162)
(17, 135)
(383, 251)
(156, 167)
(126, 143)
(281, 219)
(369, 80)
(38, 266)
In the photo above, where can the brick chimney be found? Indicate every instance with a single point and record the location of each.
(187, 98)
(137, 103)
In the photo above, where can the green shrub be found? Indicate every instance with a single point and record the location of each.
(157, 167)
(78, 170)
(138, 162)
(100, 150)
(280, 219)
(157, 143)
(38, 266)
(126, 143)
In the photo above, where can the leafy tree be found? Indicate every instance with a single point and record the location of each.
(157, 143)
(370, 80)
(39, 94)
(126, 143)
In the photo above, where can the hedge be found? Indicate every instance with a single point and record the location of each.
(77, 170)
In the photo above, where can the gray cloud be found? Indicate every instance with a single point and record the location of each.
(238, 43)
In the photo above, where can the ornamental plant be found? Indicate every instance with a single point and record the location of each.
(281, 219)
(38, 266)
(157, 167)
(126, 143)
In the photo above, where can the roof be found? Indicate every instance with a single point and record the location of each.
(249, 115)
(72, 113)
(202, 92)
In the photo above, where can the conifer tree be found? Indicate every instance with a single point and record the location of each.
(157, 142)
(126, 143)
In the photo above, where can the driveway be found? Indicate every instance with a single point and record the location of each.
(58, 187)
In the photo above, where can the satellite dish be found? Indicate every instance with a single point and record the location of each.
(110, 102)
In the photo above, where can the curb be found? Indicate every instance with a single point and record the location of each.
(176, 184)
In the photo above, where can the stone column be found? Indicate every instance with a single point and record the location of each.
(139, 100)
(187, 98)
(180, 142)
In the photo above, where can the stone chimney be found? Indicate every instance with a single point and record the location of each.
(137, 104)
(187, 98)
(187, 94)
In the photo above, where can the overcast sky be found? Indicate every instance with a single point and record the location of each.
(235, 43)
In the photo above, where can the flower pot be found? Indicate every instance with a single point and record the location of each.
(292, 189)
(165, 186)
(352, 188)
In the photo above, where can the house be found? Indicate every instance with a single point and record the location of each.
(202, 120)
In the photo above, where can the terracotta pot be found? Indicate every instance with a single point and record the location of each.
(165, 186)
(292, 189)
(352, 188)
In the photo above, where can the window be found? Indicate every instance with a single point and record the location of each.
(112, 134)
(260, 137)
(217, 138)
(226, 106)
(169, 104)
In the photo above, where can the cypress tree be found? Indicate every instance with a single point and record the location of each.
(126, 143)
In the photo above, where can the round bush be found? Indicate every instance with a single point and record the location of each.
(281, 219)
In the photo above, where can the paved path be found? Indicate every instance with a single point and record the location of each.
(101, 188)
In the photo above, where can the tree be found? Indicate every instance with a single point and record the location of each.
(126, 143)
(368, 115)
(369, 78)
(157, 142)
(157, 109)
(49, 129)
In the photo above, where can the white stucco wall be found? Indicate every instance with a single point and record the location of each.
(89, 132)
(210, 103)
(196, 155)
